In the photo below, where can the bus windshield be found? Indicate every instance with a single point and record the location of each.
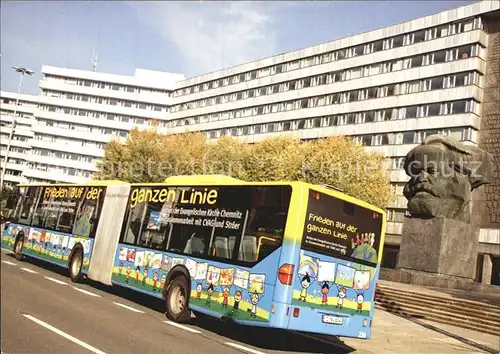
(340, 229)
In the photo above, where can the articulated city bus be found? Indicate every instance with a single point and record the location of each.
(288, 255)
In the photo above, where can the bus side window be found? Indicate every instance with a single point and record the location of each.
(40, 214)
(258, 237)
(65, 223)
(28, 207)
(132, 230)
(248, 249)
(50, 221)
(348, 208)
(188, 239)
(267, 245)
(223, 245)
(12, 204)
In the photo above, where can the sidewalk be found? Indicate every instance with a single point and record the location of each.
(393, 334)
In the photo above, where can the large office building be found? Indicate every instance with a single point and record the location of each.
(80, 111)
(20, 145)
(388, 89)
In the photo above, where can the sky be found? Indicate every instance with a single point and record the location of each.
(192, 38)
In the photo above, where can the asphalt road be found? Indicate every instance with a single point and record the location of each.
(42, 311)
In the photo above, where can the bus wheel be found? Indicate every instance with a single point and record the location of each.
(176, 300)
(18, 247)
(75, 265)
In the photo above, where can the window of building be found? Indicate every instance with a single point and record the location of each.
(408, 137)
(411, 112)
(459, 107)
(433, 110)
(437, 83)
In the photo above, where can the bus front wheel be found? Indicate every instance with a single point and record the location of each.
(18, 247)
(176, 300)
(75, 265)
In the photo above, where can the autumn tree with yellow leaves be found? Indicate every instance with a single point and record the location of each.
(147, 156)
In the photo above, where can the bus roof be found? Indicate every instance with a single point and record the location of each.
(202, 180)
(217, 179)
(335, 192)
(89, 183)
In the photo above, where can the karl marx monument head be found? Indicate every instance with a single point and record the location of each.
(443, 174)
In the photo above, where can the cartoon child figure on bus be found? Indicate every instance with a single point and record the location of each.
(237, 300)
(306, 282)
(145, 277)
(155, 280)
(225, 297)
(254, 300)
(129, 269)
(42, 242)
(342, 294)
(325, 288)
(120, 268)
(137, 272)
(359, 299)
(199, 288)
(210, 291)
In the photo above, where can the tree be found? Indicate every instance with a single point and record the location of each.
(147, 156)
(226, 156)
(182, 154)
(275, 159)
(340, 162)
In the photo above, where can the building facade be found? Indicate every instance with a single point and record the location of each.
(80, 111)
(21, 137)
(388, 89)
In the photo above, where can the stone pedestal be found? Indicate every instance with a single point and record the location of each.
(439, 245)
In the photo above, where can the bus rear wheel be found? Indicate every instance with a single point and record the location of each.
(177, 299)
(75, 265)
(18, 247)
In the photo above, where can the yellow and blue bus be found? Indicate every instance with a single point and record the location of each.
(288, 255)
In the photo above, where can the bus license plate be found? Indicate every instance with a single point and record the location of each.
(333, 319)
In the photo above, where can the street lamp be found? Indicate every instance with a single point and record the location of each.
(22, 71)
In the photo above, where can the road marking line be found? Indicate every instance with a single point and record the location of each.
(6, 250)
(11, 263)
(128, 307)
(63, 334)
(86, 292)
(250, 350)
(55, 280)
(182, 326)
(28, 270)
